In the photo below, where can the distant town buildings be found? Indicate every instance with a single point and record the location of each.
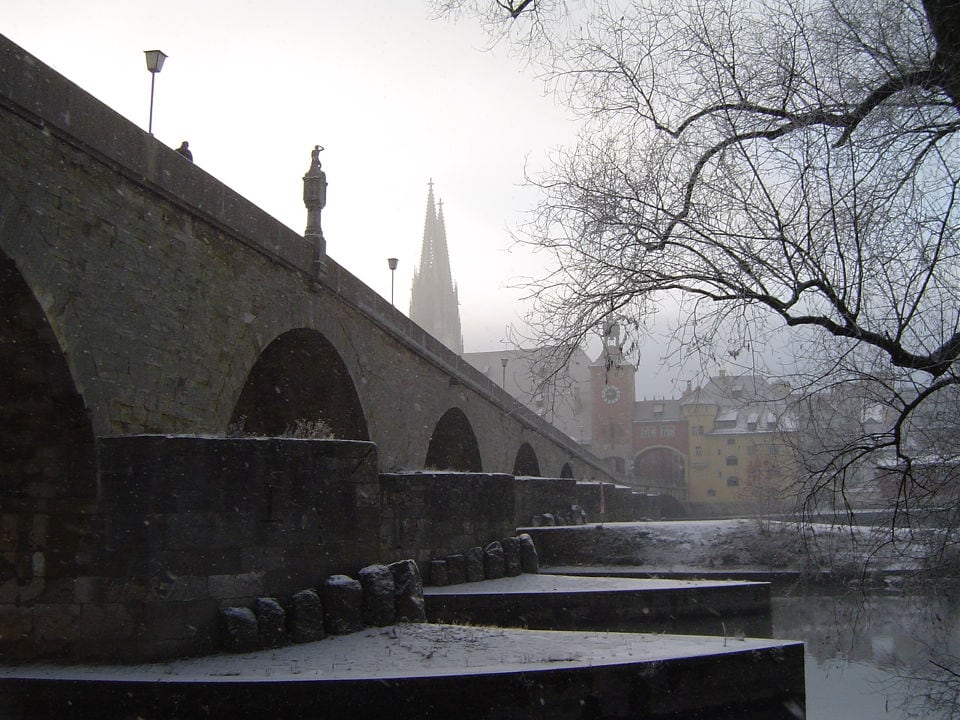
(724, 443)
(434, 302)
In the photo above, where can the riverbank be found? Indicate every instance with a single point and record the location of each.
(742, 549)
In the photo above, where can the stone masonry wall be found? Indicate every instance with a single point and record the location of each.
(536, 496)
(432, 515)
(184, 525)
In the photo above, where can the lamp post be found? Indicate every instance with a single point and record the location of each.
(155, 60)
(503, 377)
(392, 263)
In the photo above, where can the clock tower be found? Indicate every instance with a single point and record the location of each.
(612, 382)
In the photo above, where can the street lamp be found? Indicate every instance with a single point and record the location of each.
(392, 263)
(503, 378)
(155, 60)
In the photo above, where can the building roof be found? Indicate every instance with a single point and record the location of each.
(662, 410)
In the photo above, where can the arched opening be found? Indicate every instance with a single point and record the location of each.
(46, 435)
(566, 471)
(453, 444)
(662, 469)
(526, 462)
(300, 378)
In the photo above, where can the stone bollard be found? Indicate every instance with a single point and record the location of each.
(494, 565)
(378, 595)
(239, 629)
(408, 591)
(342, 605)
(511, 556)
(474, 564)
(306, 617)
(272, 621)
(529, 560)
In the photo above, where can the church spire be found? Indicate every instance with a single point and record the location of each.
(434, 304)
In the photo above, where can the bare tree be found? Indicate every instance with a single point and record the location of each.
(786, 164)
(790, 160)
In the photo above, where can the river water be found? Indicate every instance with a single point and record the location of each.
(870, 657)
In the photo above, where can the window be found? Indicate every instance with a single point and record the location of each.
(731, 441)
(698, 451)
(666, 431)
(696, 430)
(648, 431)
(752, 450)
(733, 481)
(732, 460)
(711, 493)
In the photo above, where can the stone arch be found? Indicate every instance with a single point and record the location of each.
(47, 443)
(566, 471)
(47, 436)
(453, 444)
(300, 376)
(661, 468)
(526, 462)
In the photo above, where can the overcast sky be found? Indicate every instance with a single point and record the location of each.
(395, 97)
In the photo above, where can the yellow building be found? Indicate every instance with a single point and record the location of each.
(739, 441)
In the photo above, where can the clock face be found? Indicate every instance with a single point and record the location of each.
(610, 394)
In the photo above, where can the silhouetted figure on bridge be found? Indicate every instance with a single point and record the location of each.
(184, 150)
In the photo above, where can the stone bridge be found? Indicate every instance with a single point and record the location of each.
(141, 297)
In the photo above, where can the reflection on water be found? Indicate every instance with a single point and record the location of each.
(875, 656)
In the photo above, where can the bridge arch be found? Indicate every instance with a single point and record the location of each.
(46, 438)
(453, 444)
(526, 462)
(661, 468)
(300, 377)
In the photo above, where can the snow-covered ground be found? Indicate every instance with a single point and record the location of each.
(742, 545)
(412, 650)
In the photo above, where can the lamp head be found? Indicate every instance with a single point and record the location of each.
(155, 60)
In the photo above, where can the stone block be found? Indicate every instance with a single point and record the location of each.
(178, 588)
(494, 564)
(529, 560)
(408, 589)
(306, 617)
(240, 585)
(111, 621)
(456, 569)
(342, 605)
(378, 595)
(474, 564)
(239, 629)
(55, 622)
(271, 622)
(511, 556)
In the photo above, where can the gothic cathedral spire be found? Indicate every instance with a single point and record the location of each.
(434, 304)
